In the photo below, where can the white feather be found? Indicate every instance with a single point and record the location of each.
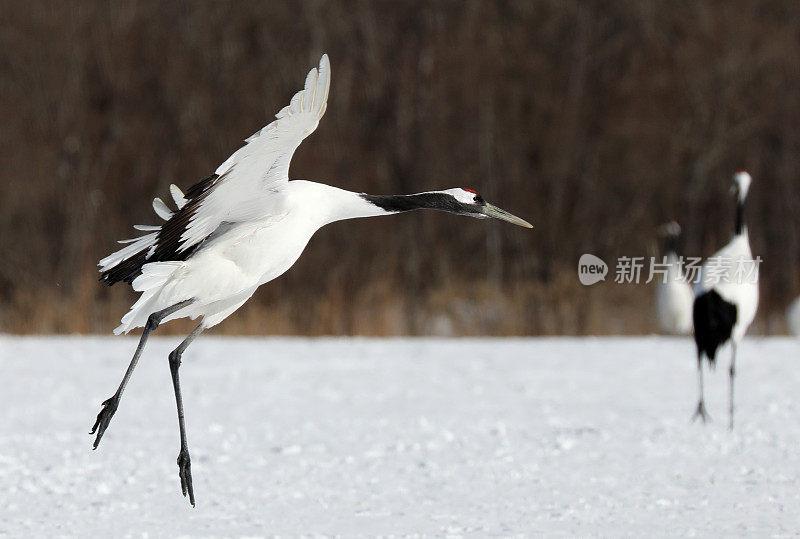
(150, 283)
(138, 244)
(161, 209)
(177, 196)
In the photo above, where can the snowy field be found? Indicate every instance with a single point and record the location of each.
(432, 437)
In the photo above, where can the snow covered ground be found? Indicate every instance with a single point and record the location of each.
(401, 436)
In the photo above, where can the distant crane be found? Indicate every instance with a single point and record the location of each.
(793, 317)
(241, 227)
(674, 295)
(726, 297)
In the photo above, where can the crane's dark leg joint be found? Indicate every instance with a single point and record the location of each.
(153, 321)
(174, 361)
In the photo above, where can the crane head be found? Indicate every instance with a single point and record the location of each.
(741, 183)
(669, 230)
(470, 203)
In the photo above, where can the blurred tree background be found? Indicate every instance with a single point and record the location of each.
(594, 120)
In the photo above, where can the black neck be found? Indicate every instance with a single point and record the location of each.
(739, 216)
(400, 203)
(671, 243)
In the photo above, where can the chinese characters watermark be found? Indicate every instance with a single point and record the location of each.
(640, 269)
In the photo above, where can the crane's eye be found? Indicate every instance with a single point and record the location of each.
(477, 199)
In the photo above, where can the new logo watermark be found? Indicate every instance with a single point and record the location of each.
(591, 269)
(632, 270)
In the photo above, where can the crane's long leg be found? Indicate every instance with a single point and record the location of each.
(732, 374)
(184, 462)
(701, 407)
(110, 405)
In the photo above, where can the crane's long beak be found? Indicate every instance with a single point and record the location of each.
(497, 213)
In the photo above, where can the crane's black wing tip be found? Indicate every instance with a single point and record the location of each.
(126, 271)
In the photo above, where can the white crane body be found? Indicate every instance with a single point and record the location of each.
(732, 273)
(227, 268)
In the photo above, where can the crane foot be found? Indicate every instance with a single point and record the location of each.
(701, 413)
(104, 418)
(185, 473)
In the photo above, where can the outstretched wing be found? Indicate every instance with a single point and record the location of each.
(245, 178)
(239, 190)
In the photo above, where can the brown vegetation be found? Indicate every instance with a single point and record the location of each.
(594, 120)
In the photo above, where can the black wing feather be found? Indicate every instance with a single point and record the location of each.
(168, 241)
(714, 319)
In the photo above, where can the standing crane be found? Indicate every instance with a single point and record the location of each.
(793, 317)
(242, 227)
(726, 297)
(674, 296)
